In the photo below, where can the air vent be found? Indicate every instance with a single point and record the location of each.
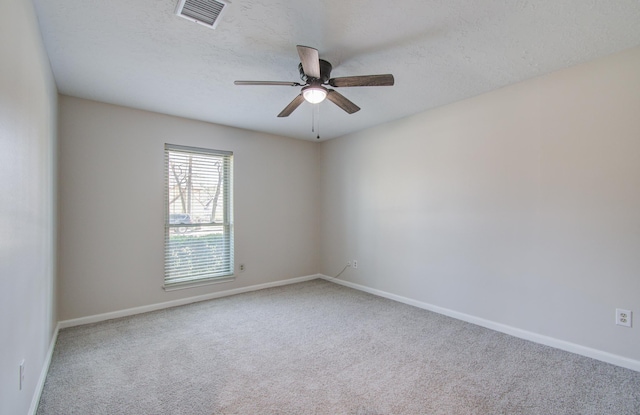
(204, 12)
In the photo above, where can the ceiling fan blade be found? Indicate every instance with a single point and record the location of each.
(310, 61)
(364, 80)
(292, 106)
(339, 99)
(266, 83)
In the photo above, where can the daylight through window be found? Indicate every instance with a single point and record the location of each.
(198, 227)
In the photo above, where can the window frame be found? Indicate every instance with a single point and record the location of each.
(174, 275)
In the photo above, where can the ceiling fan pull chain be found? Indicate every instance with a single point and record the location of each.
(318, 119)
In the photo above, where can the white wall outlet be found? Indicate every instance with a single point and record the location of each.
(21, 373)
(241, 267)
(623, 317)
(355, 263)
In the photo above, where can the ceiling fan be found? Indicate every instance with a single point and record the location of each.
(316, 73)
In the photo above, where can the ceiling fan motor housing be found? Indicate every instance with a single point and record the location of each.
(325, 72)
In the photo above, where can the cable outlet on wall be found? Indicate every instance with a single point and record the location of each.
(348, 263)
(623, 317)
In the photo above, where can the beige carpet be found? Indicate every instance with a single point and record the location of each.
(320, 348)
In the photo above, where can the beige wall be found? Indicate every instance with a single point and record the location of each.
(112, 212)
(27, 205)
(520, 206)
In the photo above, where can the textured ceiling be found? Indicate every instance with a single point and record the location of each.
(138, 53)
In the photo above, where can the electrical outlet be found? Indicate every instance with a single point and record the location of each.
(623, 317)
(21, 373)
(355, 263)
(241, 267)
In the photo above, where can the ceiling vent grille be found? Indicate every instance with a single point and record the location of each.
(204, 12)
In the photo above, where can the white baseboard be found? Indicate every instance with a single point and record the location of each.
(183, 301)
(43, 373)
(503, 328)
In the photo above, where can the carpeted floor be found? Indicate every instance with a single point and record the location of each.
(320, 348)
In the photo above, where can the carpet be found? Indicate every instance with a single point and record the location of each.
(320, 348)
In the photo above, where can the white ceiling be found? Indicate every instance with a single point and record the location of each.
(138, 53)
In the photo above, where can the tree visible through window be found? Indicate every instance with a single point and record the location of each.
(198, 215)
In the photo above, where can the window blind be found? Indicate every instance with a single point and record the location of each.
(198, 215)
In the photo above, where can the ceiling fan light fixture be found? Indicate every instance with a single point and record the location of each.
(314, 94)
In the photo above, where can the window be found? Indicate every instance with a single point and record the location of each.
(198, 230)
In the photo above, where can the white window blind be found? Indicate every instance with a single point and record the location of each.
(198, 229)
